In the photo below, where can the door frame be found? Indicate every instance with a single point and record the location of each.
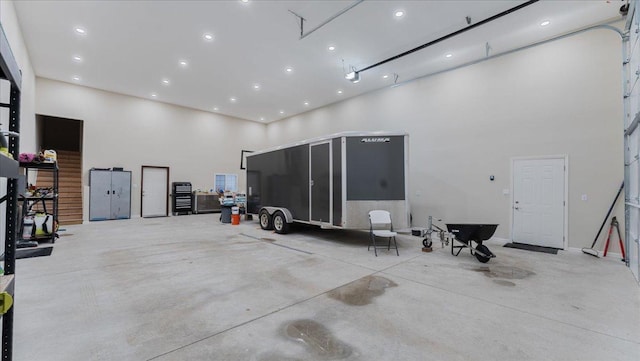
(330, 195)
(565, 158)
(142, 188)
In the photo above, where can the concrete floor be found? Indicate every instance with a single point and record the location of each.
(190, 288)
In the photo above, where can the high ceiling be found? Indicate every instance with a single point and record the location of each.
(131, 47)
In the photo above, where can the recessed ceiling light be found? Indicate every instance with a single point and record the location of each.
(244, 1)
(165, 81)
(306, 103)
(77, 58)
(76, 78)
(339, 91)
(183, 63)
(256, 86)
(262, 119)
(331, 48)
(233, 99)
(399, 13)
(545, 23)
(154, 95)
(448, 55)
(385, 76)
(208, 37)
(282, 112)
(80, 31)
(215, 109)
(288, 69)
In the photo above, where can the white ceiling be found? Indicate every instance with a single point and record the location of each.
(130, 46)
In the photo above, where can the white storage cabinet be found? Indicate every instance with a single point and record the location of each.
(109, 194)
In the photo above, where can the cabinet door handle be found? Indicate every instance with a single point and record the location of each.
(108, 192)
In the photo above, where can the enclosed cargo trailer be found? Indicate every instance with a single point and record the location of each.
(332, 181)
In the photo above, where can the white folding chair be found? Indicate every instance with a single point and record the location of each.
(381, 226)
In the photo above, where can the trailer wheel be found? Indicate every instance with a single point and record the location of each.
(427, 242)
(280, 223)
(482, 248)
(266, 222)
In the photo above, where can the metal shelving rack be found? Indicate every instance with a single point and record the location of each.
(52, 198)
(10, 72)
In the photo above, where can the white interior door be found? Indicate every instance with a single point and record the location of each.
(539, 202)
(155, 191)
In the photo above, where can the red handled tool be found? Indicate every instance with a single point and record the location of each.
(614, 223)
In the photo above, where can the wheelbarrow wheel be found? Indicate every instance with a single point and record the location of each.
(427, 243)
(484, 249)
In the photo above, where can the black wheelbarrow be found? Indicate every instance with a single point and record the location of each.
(466, 234)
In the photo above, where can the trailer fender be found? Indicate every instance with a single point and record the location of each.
(286, 212)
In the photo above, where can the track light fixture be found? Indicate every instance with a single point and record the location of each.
(354, 77)
(455, 33)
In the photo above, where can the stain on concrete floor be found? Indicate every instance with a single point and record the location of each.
(276, 357)
(504, 283)
(495, 271)
(504, 272)
(317, 339)
(361, 292)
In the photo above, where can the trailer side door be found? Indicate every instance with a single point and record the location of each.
(320, 182)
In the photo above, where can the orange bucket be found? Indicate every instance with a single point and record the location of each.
(235, 219)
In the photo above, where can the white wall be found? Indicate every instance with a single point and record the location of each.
(560, 98)
(129, 132)
(9, 23)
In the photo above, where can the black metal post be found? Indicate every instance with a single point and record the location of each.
(12, 221)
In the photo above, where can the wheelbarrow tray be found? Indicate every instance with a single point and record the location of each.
(465, 232)
(469, 233)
